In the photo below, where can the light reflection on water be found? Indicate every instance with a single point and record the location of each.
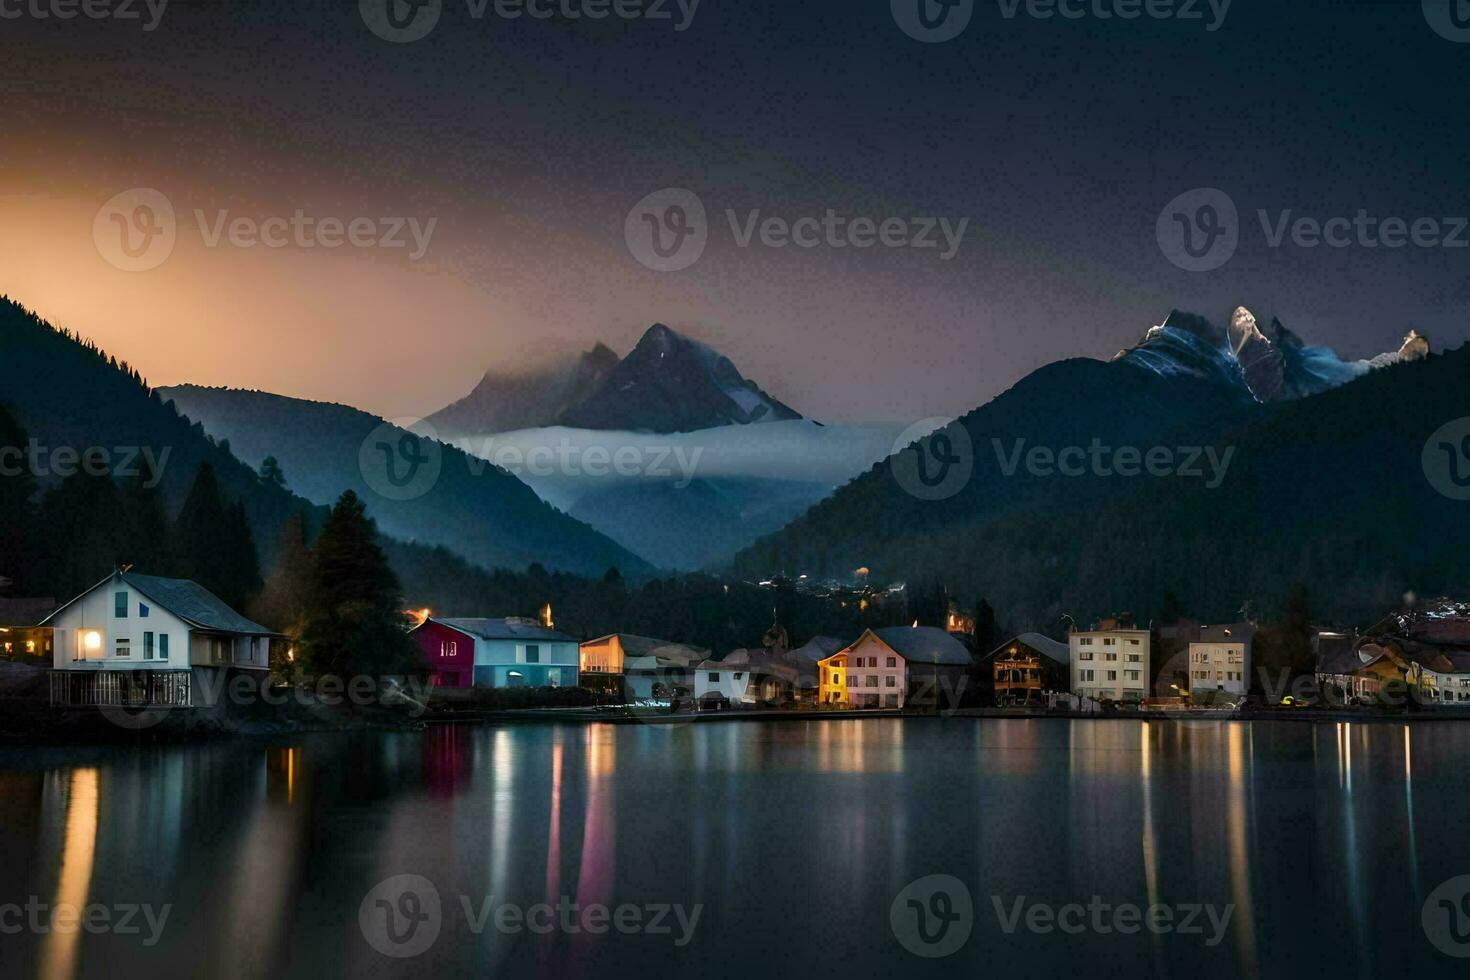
(794, 836)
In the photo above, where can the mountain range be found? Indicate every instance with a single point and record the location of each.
(667, 383)
(474, 508)
(1322, 483)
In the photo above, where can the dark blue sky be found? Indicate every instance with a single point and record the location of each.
(1060, 140)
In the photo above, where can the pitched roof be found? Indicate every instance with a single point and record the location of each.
(503, 629)
(186, 599)
(1044, 645)
(193, 603)
(818, 648)
(925, 645)
(647, 646)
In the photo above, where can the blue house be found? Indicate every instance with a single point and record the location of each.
(511, 652)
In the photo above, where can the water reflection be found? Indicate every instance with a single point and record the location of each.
(79, 847)
(795, 836)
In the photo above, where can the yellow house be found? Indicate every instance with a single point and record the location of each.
(832, 679)
(868, 673)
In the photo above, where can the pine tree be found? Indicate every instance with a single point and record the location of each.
(271, 472)
(241, 559)
(199, 533)
(285, 599)
(355, 624)
(985, 639)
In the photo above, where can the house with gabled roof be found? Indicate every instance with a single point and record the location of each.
(143, 640)
(508, 652)
(1028, 666)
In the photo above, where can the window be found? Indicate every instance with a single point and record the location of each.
(123, 648)
(737, 675)
(1085, 641)
(120, 605)
(147, 646)
(1133, 643)
(714, 677)
(1134, 658)
(851, 681)
(1112, 675)
(142, 610)
(892, 682)
(892, 661)
(1131, 675)
(533, 653)
(1109, 642)
(1087, 675)
(872, 681)
(448, 648)
(1085, 656)
(1112, 657)
(162, 646)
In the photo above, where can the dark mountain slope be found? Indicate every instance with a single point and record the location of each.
(473, 508)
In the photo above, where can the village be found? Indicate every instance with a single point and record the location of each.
(137, 642)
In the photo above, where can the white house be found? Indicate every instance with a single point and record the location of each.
(510, 652)
(1220, 660)
(1110, 663)
(136, 639)
(745, 678)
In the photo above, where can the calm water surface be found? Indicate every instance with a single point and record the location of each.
(792, 838)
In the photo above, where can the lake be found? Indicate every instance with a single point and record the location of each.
(901, 847)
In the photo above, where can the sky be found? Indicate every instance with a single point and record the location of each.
(524, 152)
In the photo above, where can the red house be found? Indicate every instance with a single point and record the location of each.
(449, 652)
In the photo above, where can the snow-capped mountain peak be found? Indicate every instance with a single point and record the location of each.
(1271, 368)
